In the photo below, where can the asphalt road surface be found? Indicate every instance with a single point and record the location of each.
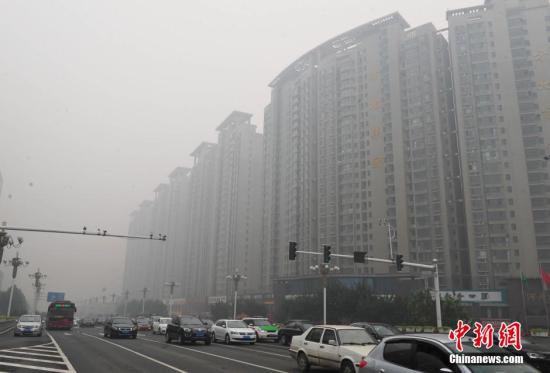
(85, 350)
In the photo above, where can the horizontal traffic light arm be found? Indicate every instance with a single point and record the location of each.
(85, 233)
(376, 260)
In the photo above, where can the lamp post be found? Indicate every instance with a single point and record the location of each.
(7, 241)
(144, 291)
(171, 285)
(324, 269)
(38, 286)
(16, 262)
(236, 277)
(126, 301)
(391, 233)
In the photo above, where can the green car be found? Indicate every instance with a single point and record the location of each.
(265, 331)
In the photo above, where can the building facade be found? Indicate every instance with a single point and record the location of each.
(358, 130)
(500, 62)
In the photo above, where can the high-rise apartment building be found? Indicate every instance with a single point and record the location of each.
(360, 129)
(239, 204)
(501, 68)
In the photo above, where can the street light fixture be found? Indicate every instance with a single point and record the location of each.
(391, 233)
(7, 241)
(236, 277)
(324, 269)
(171, 285)
(16, 262)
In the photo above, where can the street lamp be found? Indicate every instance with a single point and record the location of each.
(7, 241)
(38, 286)
(324, 269)
(391, 233)
(236, 277)
(171, 285)
(16, 262)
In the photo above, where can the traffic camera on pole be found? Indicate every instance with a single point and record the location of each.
(359, 256)
(399, 262)
(292, 248)
(326, 253)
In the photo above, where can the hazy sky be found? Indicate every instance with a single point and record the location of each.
(101, 100)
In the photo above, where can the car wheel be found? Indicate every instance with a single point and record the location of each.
(347, 367)
(167, 338)
(303, 362)
(213, 338)
(227, 339)
(182, 339)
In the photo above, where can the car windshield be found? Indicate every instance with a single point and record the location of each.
(384, 331)
(187, 320)
(236, 324)
(355, 337)
(122, 320)
(261, 323)
(29, 318)
(143, 321)
(165, 321)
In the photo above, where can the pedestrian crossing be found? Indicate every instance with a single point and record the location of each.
(36, 358)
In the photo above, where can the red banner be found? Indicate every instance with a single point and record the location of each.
(545, 276)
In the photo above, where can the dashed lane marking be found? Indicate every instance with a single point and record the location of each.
(136, 353)
(218, 356)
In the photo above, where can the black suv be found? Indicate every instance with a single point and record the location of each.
(187, 328)
(292, 328)
(120, 326)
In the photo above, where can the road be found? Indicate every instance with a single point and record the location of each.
(85, 350)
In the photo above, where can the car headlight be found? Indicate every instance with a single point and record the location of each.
(19, 326)
(234, 332)
(187, 330)
(534, 355)
(134, 327)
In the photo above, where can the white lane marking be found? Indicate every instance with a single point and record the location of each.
(11, 351)
(31, 359)
(67, 333)
(38, 350)
(63, 356)
(6, 330)
(34, 367)
(136, 353)
(218, 356)
(255, 350)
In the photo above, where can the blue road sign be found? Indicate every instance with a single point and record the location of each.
(52, 296)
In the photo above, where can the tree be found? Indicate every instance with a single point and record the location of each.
(19, 303)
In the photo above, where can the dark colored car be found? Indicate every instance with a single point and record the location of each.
(87, 323)
(120, 327)
(534, 351)
(100, 320)
(292, 328)
(378, 330)
(187, 329)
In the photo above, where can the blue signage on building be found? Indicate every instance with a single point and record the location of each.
(53, 296)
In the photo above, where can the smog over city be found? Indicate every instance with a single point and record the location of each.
(331, 162)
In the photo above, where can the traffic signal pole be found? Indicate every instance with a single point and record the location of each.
(432, 267)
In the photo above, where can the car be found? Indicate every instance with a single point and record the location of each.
(143, 324)
(100, 320)
(292, 328)
(87, 322)
(28, 325)
(377, 329)
(340, 347)
(230, 331)
(160, 325)
(154, 319)
(208, 324)
(265, 331)
(187, 328)
(120, 326)
(76, 322)
(430, 352)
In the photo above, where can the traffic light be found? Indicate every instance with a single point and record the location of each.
(359, 256)
(399, 262)
(292, 250)
(326, 254)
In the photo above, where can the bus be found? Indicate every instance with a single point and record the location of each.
(60, 315)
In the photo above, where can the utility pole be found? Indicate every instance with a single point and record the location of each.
(236, 277)
(7, 241)
(16, 262)
(126, 301)
(324, 270)
(144, 291)
(391, 233)
(171, 285)
(38, 285)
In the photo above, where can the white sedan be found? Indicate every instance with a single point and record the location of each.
(231, 331)
(159, 326)
(332, 346)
